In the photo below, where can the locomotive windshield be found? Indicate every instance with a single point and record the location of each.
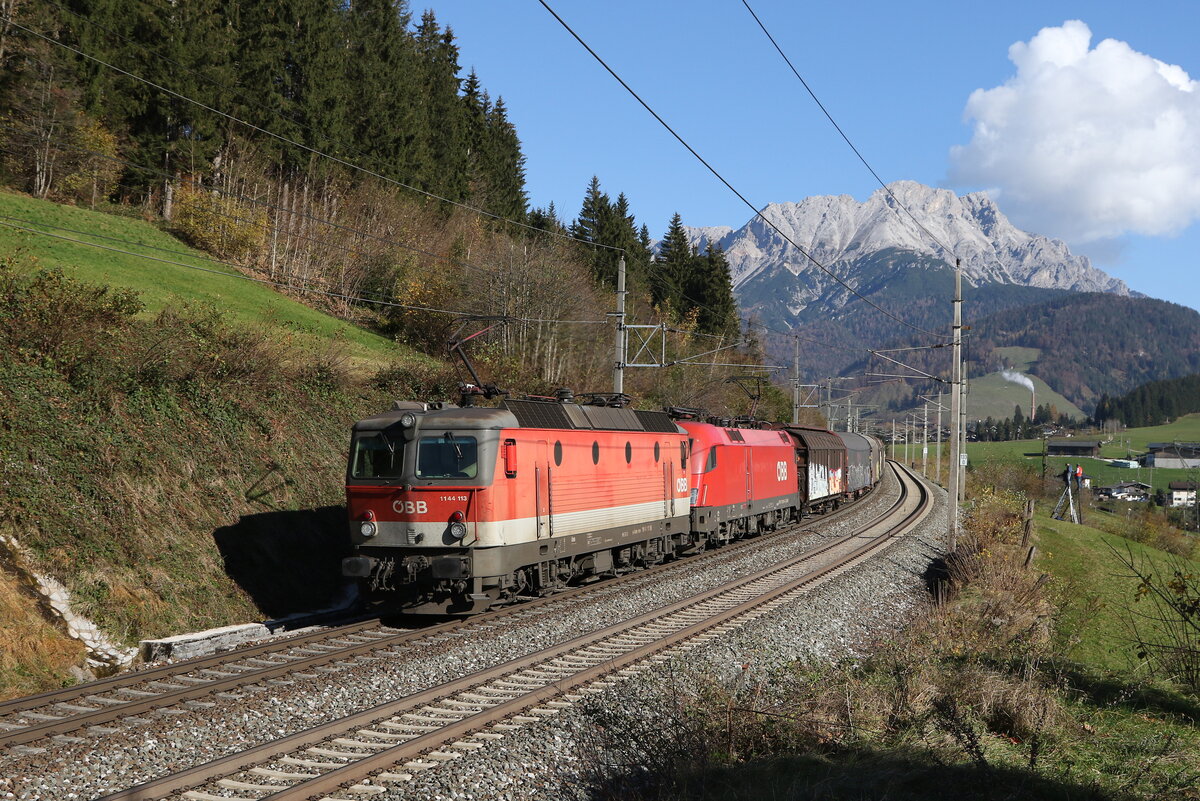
(376, 455)
(447, 456)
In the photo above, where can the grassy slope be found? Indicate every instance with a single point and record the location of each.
(1018, 357)
(161, 284)
(1083, 558)
(202, 488)
(993, 396)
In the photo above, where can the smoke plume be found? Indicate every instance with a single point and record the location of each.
(1017, 378)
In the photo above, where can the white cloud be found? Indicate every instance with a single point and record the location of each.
(1086, 143)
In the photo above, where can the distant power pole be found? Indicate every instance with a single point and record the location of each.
(796, 378)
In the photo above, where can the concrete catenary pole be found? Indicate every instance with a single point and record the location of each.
(925, 442)
(937, 464)
(619, 362)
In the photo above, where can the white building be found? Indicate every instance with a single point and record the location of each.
(1181, 493)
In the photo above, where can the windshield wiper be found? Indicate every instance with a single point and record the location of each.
(454, 443)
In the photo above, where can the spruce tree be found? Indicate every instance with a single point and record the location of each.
(669, 273)
(712, 291)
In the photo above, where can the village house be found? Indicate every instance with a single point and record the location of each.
(1180, 493)
(1126, 491)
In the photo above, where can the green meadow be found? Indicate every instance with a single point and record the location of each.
(88, 245)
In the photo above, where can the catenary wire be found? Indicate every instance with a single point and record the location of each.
(949, 251)
(933, 237)
(727, 184)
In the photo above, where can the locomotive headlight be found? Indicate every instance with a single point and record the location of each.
(367, 529)
(458, 530)
(408, 420)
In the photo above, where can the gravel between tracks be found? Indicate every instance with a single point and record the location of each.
(532, 762)
(836, 620)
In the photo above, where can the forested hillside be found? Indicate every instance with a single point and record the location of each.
(327, 146)
(1090, 343)
(1152, 404)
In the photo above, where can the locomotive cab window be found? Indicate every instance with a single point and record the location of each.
(377, 455)
(447, 455)
(711, 464)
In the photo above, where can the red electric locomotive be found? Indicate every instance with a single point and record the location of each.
(743, 480)
(454, 509)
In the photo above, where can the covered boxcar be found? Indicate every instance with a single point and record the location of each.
(820, 458)
(858, 463)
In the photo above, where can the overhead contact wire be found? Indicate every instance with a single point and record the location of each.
(828, 116)
(727, 184)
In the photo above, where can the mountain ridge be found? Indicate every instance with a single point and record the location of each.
(838, 231)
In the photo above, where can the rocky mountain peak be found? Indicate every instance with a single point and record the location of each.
(838, 229)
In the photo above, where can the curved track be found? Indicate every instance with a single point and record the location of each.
(361, 753)
(127, 695)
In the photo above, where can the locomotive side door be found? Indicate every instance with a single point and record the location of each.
(749, 474)
(541, 490)
(669, 487)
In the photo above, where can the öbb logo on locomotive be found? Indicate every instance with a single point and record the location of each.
(454, 509)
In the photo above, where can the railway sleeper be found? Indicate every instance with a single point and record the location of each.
(318, 751)
(352, 743)
(385, 735)
(309, 763)
(232, 784)
(408, 728)
(282, 775)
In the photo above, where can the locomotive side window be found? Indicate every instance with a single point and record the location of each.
(376, 455)
(558, 454)
(628, 453)
(712, 459)
(447, 456)
(595, 453)
(684, 447)
(657, 452)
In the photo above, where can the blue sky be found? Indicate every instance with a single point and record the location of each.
(897, 78)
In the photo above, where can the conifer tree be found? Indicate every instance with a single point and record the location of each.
(711, 289)
(586, 225)
(446, 134)
(670, 271)
(504, 168)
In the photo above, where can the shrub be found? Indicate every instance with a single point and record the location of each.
(218, 224)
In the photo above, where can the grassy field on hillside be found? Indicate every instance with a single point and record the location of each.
(61, 232)
(1083, 559)
(1134, 440)
(1020, 358)
(993, 396)
(1185, 429)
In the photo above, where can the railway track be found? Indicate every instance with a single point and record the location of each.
(362, 754)
(98, 706)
